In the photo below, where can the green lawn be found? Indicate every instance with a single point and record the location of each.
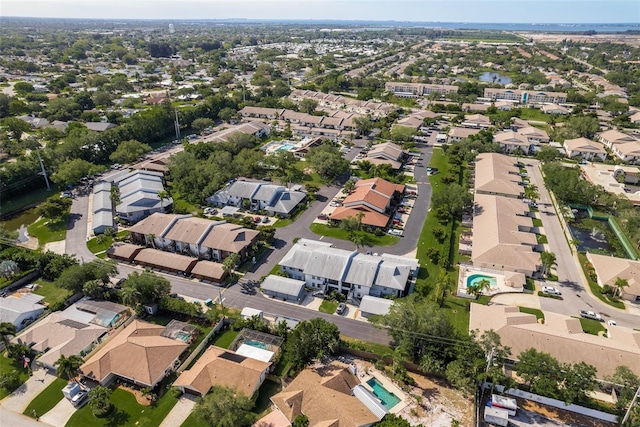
(328, 306)
(18, 203)
(282, 367)
(225, 339)
(538, 313)
(369, 238)
(96, 247)
(46, 231)
(372, 347)
(457, 311)
(263, 405)
(534, 114)
(7, 365)
(309, 178)
(542, 239)
(591, 326)
(283, 222)
(595, 288)
(53, 295)
(537, 222)
(45, 401)
(126, 412)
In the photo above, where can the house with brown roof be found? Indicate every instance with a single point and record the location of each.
(457, 134)
(628, 152)
(585, 149)
(511, 141)
(386, 153)
(373, 198)
(172, 262)
(497, 174)
(202, 238)
(561, 336)
(226, 368)
(609, 269)
(260, 112)
(613, 137)
(503, 237)
(139, 354)
(476, 121)
(324, 395)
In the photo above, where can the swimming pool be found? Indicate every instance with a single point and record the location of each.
(285, 147)
(256, 344)
(475, 278)
(388, 399)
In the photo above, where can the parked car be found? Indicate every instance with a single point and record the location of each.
(551, 290)
(334, 204)
(590, 315)
(265, 219)
(395, 232)
(66, 194)
(612, 322)
(323, 217)
(402, 210)
(318, 294)
(342, 307)
(257, 219)
(208, 211)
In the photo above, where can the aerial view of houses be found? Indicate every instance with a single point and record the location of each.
(252, 214)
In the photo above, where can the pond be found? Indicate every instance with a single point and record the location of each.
(493, 77)
(26, 217)
(595, 235)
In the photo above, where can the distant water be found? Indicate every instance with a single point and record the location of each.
(488, 77)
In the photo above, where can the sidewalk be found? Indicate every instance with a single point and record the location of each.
(20, 399)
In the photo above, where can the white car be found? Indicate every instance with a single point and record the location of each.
(395, 232)
(551, 290)
(612, 322)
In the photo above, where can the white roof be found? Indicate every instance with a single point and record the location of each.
(256, 353)
(374, 305)
(282, 285)
(250, 312)
(12, 307)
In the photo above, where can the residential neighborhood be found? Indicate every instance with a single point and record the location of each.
(265, 223)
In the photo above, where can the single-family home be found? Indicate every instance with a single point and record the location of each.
(555, 109)
(609, 269)
(141, 353)
(561, 336)
(585, 149)
(226, 368)
(99, 126)
(373, 199)
(325, 396)
(21, 309)
(326, 268)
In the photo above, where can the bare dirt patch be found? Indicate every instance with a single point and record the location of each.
(568, 418)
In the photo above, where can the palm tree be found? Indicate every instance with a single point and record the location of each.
(69, 366)
(620, 284)
(130, 295)
(531, 192)
(230, 262)
(358, 240)
(548, 260)
(163, 195)
(151, 239)
(7, 330)
(100, 400)
(477, 288)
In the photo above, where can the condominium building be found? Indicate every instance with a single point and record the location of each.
(413, 90)
(526, 96)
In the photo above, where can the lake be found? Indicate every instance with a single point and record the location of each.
(488, 77)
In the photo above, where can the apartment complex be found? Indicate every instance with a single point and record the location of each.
(414, 90)
(526, 96)
(323, 267)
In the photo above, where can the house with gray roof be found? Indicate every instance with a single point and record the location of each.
(283, 288)
(373, 306)
(275, 199)
(138, 192)
(102, 208)
(21, 309)
(323, 267)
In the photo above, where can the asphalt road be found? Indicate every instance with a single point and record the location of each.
(571, 281)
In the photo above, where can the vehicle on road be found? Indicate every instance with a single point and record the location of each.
(395, 232)
(342, 307)
(591, 315)
(551, 290)
(612, 322)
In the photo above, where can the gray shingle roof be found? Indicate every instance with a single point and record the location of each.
(363, 270)
(282, 285)
(374, 305)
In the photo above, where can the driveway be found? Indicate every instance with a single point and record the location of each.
(20, 399)
(572, 282)
(8, 418)
(180, 411)
(59, 414)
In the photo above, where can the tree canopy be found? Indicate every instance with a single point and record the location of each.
(311, 340)
(327, 161)
(129, 151)
(224, 407)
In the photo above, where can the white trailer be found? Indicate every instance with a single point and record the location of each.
(496, 416)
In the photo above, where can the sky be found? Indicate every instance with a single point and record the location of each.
(492, 11)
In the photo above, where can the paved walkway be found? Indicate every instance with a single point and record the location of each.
(8, 418)
(60, 414)
(20, 399)
(179, 412)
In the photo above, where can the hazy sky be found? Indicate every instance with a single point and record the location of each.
(521, 11)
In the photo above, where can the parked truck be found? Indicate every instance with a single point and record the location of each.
(591, 315)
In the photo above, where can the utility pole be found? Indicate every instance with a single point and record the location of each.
(633, 402)
(176, 125)
(484, 380)
(221, 304)
(44, 172)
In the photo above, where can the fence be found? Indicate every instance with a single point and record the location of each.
(196, 352)
(593, 413)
